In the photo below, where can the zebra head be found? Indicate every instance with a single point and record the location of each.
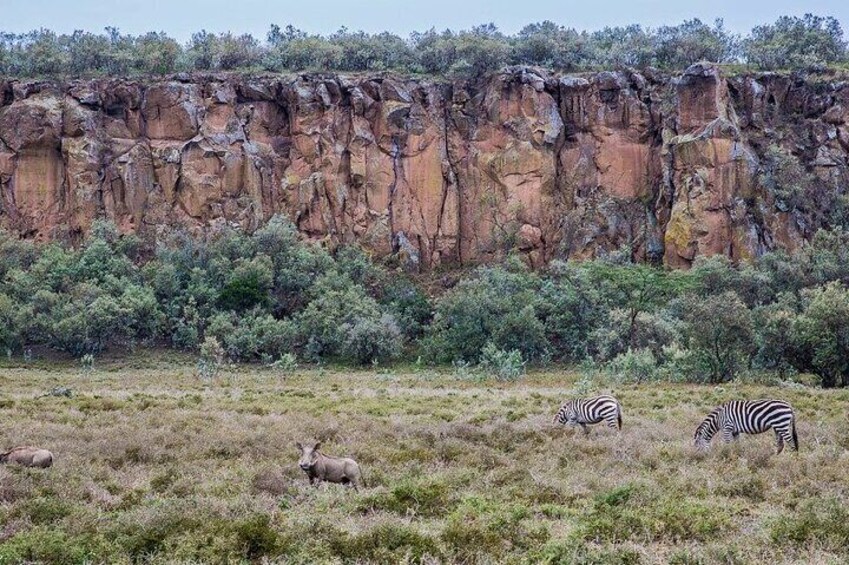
(707, 429)
(562, 415)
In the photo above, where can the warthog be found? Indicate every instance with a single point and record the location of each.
(28, 457)
(320, 467)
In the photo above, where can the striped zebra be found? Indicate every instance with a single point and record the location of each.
(749, 417)
(583, 411)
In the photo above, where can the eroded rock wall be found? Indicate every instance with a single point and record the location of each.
(436, 172)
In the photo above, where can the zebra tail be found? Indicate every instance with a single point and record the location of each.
(619, 418)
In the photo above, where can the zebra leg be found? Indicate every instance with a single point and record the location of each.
(779, 441)
(787, 435)
(793, 436)
(728, 435)
(586, 429)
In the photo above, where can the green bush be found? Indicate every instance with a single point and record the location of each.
(793, 42)
(719, 333)
(481, 529)
(820, 523)
(287, 363)
(413, 498)
(386, 543)
(495, 306)
(367, 340)
(255, 536)
(211, 358)
(326, 326)
(629, 512)
(823, 329)
(251, 335)
(634, 366)
(789, 43)
(48, 544)
(264, 295)
(504, 365)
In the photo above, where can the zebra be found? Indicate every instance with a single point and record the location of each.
(749, 417)
(583, 411)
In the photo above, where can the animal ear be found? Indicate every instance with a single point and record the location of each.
(299, 446)
(316, 446)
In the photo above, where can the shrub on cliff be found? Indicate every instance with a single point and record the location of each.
(224, 51)
(547, 44)
(681, 45)
(292, 49)
(472, 53)
(793, 42)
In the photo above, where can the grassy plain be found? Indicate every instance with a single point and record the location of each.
(155, 465)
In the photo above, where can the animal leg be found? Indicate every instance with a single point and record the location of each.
(585, 428)
(779, 442)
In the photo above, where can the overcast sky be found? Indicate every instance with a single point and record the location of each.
(179, 18)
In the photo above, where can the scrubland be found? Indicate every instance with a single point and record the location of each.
(156, 465)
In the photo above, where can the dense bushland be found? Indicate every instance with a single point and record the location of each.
(789, 43)
(270, 297)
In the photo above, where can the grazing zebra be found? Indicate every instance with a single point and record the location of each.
(749, 417)
(585, 411)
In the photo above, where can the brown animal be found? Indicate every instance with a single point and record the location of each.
(28, 457)
(320, 467)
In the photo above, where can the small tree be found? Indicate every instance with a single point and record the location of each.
(211, 358)
(693, 41)
(823, 329)
(636, 289)
(793, 42)
(719, 332)
(776, 338)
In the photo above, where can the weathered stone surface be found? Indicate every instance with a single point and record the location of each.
(435, 172)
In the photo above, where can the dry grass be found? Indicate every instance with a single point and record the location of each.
(154, 465)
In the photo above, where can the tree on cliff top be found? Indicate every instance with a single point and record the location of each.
(790, 42)
(679, 46)
(793, 42)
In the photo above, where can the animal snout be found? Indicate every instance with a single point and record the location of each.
(305, 466)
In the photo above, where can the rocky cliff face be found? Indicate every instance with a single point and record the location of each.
(436, 172)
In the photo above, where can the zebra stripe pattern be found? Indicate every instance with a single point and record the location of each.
(583, 411)
(750, 417)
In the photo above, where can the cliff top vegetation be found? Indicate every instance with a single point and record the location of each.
(811, 42)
